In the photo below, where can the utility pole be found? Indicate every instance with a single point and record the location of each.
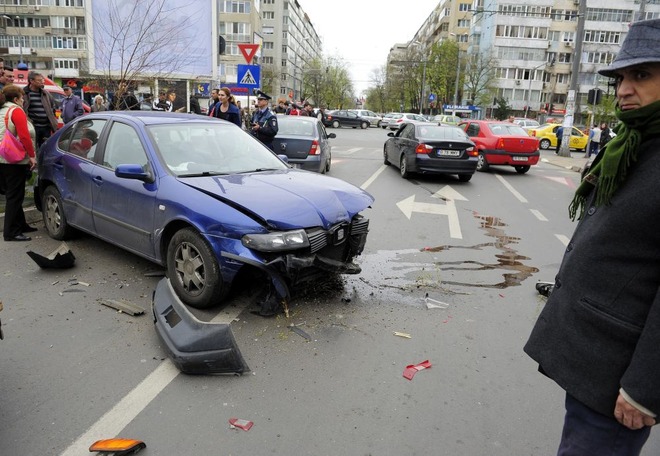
(565, 149)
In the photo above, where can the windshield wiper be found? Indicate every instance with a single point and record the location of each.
(205, 173)
(258, 170)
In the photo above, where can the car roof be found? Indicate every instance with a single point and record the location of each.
(152, 117)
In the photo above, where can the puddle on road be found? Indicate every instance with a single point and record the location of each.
(410, 274)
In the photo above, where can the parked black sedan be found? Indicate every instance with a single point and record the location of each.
(345, 118)
(305, 142)
(431, 148)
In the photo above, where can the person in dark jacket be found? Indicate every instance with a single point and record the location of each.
(195, 108)
(40, 107)
(72, 106)
(264, 122)
(226, 108)
(598, 336)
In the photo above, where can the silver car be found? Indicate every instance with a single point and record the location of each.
(399, 119)
(374, 119)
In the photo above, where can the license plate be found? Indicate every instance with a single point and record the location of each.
(449, 153)
(519, 159)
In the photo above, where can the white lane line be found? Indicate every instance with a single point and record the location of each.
(563, 239)
(373, 177)
(521, 198)
(112, 423)
(353, 150)
(538, 215)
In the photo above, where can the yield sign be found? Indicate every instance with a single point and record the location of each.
(248, 51)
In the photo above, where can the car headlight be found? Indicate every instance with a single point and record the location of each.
(274, 242)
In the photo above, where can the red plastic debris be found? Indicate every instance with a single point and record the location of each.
(412, 369)
(241, 424)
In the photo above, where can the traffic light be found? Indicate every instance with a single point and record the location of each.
(594, 96)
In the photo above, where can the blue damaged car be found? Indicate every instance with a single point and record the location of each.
(202, 198)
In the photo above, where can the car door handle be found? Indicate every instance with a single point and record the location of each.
(98, 180)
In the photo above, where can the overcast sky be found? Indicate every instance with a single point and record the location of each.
(363, 31)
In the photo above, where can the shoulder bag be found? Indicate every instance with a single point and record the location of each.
(11, 149)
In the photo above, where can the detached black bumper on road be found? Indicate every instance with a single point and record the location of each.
(196, 347)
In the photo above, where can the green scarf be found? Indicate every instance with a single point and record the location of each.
(611, 165)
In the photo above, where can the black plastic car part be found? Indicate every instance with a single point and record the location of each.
(195, 346)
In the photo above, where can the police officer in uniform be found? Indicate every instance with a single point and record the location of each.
(264, 122)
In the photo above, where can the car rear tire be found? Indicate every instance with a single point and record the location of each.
(464, 177)
(482, 164)
(53, 214)
(193, 270)
(522, 169)
(336, 124)
(403, 168)
(364, 125)
(383, 126)
(544, 144)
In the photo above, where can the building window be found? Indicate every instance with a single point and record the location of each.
(268, 45)
(464, 6)
(268, 30)
(283, 62)
(233, 6)
(267, 60)
(69, 42)
(268, 14)
(66, 64)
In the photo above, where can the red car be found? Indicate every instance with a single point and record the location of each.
(502, 143)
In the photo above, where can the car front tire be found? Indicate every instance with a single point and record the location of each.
(364, 125)
(336, 124)
(386, 162)
(53, 214)
(403, 168)
(482, 164)
(193, 270)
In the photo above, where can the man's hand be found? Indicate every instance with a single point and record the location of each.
(630, 416)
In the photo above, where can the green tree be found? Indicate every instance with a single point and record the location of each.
(502, 109)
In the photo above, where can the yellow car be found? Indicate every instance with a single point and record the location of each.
(547, 135)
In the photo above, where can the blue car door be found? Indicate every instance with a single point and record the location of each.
(123, 209)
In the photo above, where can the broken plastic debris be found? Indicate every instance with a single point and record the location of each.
(300, 332)
(123, 306)
(60, 258)
(400, 334)
(240, 424)
(410, 371)
(117, 446)
(435, 304)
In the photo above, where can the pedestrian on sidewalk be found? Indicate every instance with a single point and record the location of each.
(72, 106)
(594, 140)
(598, 336)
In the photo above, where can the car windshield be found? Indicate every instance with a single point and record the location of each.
(506, 129)
(207, 148)
(440, 132)
(294, 126)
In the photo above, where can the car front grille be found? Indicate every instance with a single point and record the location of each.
(331, 242)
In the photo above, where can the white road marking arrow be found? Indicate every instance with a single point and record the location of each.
(409, 205)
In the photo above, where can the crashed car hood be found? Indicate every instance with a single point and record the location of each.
(287, 199)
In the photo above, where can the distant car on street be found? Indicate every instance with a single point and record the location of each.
(431, 149)
(373, 118)
(502, 143)
(526, 123)
(547, 136)
(345, 118)
(305, 143)
(405, 117)
(446, 119)
(387, 118)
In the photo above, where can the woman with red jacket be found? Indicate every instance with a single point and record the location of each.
(14, 176)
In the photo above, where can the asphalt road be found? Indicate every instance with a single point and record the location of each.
(75, 371)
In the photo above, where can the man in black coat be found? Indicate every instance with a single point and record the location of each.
(598, 336)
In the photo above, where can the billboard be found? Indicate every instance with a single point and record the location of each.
(152, 37)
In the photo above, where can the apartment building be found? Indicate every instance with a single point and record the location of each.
(290, 44)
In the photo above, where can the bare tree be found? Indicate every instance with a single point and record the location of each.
(479, 80)
(142, 40)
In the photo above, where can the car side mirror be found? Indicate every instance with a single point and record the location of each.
(133, 171)
(331, 135)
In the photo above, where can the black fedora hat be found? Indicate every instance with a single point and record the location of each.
(640, 46)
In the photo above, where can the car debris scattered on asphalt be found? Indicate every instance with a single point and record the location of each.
(123, 306)
(434, 303)
(410, 370)
(404, 335)
(60, 258)
(237, 423)
(117, 446)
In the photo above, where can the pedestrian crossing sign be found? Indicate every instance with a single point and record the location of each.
(249, 76)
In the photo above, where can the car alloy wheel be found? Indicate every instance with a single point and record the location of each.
(336, 124)
(544, 144)
(403, 167)
(482, 164)
(193, 270)
(53, 214)
(364, 125)
(386, 162)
